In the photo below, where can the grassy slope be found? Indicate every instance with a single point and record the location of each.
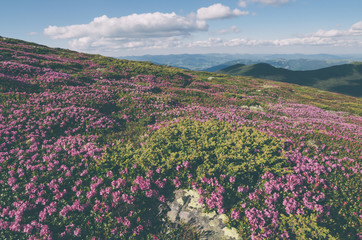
(133, 99)
(345, 79)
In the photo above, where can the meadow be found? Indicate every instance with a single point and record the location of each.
(91, 146)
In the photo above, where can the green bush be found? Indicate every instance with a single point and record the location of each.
(212, 148)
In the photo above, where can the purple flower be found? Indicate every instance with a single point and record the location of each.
(162, 198)
(109, 174)
(235, 214)
(126, 222)
(77, 232)
(232, 179)
(186, 164)
(177, 182)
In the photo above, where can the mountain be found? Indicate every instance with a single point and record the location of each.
(93, 147)
(299, 64)
(345, 78)
(215, 62)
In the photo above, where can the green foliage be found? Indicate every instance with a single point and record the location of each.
(304, 227)
(214, 148)
(211, 147)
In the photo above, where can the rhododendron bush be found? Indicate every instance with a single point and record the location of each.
(92, 147)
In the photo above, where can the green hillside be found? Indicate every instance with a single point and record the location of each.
(93, 147)
(345, 79)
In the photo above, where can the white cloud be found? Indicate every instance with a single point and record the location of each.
(242, 4)
(232, 29)
(332, 38)
(303, 41)
(218, 11)
(113, 45)
(357, 27)
(354, 30)
(169, 31)
(136, 25)
(330, 33)
(272, 2)
(81, 43)
(211, 42)
(142, 31)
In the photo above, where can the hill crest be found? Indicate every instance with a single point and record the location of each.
(345, 78)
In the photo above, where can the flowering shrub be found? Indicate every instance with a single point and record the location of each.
(91, 146)
(237, 173)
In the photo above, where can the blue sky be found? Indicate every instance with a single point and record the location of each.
(138, 27)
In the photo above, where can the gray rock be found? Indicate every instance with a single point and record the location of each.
(185, 208)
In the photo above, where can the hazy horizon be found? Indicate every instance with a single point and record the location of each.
(256, 54)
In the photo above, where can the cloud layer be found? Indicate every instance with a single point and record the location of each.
(350, 37)
(172, 31)
(218, 11)
(136, 25)
(354, 30)
(148, 30)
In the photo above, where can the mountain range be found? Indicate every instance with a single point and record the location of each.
(345, 78)
(215, 62)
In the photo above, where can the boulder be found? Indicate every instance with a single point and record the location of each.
(185, 208)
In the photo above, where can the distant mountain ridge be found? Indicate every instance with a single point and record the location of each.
(345, 78)
(300, 64)
(215, 61)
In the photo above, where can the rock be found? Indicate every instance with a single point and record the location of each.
(256, 108)
(185, 208)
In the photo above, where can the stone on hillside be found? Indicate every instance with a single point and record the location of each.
(185, 208)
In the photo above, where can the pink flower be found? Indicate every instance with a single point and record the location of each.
(285, 235)
(84, 173)
(186, 164)
(137, 230)
(235, 215)
(126, 222)
(11, 181)
(109, 174)
(162, 198)
(77, 232)
(232, 179)
(177, 182)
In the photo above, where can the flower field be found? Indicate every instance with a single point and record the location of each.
(91, 146)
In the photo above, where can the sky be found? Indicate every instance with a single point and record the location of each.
(137, 27)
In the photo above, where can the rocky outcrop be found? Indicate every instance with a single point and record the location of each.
(185, 208)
